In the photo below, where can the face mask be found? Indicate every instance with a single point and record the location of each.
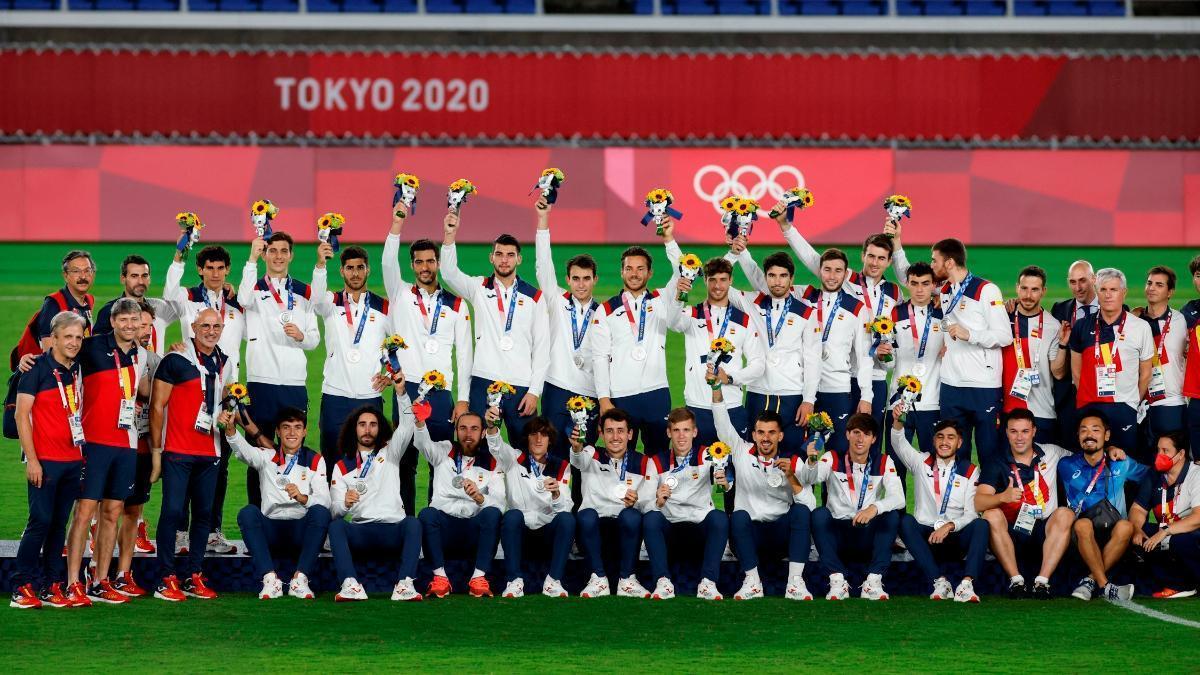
(1163, 462)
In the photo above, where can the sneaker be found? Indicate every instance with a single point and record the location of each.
(630, 587)
(351, 591)
(553, 588)
(298, 587)
(597, 586)
(838, 588)
(942, 590)
(707, 590)
(103, 591)
(197, 587)
(1085, 589)
(77, 595)
(872, 588)
(404, 591)
(181, 543)
(797, 589)
(439, 587)
(751, 589)
(1016, 590)
(54, 597)
(125, 585)
(479, 587)
(143, 543)
(217, 543)
(1040, 591)
(1167, 594)
(25, 598)
(272, 587)
(514, 589)
(1115, 592)
(965, 592)
(663, 590)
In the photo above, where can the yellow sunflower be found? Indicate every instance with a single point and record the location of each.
(718, 451)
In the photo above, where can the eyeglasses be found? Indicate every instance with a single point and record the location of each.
(211, 326)
(80, 271)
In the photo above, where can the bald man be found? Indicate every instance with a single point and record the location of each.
(1084, 302)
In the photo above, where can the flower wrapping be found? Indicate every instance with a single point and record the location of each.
(190, 226)
(658, 205)
(329, 228)
(720, 350)
(389, 352)
(406, 185)
(882, 329)
(262, 213)
(690, 267)
(580, 409)
(431, 381)
(909, 389)
(457, 195)
(739, 216)
(897, 207)
(496, 392)
(549, 183)
(821, 425)
(797, 198)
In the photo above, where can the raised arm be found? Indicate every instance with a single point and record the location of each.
(393, 278)
(173, 291)
(505, 454)
(904, 450)
(543, 259)
(252, 456)
(322, 299)
(541, 346)
(460, 284)
(809, 257)
(403, 436)
(245, 294)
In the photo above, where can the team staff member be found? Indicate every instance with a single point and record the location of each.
(366, 486)
(1111, 360)
(1172, 542)
(79, 273)
(439, 322)
(1028, 379)
(538, 492)
(977, 328)
(135, 277)
(575, 322)
(280, 327)
(513, 341)
(51, 434)
(863, 504)
(294, 516)
(944, 515)
(1084, 302)
(618, 487)
(1191, 376)
(356, 323)
(1165, 391)
(183, 417)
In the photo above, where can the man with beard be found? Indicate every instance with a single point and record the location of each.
(135, 277)
(1084, 302)
(1029, 359)
(1166, 412)
(79, 273)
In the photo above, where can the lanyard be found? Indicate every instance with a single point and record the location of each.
(867, 294)
(512, 305)
(458, 463)
(70, 397)
(1117, 330)
(708, 322)
(624, 465)
(194, 356)
(204, 294)
(1087, 310)
(680, 466)
(366, 466)
(1035, 485)
(862, 490)
(912, 326)
(828, 322)
(431, 324)
(534, 468)
(287, 283)
(1092, 485)
(640, 329)
(773, 332)
(962, 289)
(577, 332)
(1160, 340)
(1019, 342)
(937, 488)
(127, 389)
(1168, 507)
(291, 462)
(362, 320)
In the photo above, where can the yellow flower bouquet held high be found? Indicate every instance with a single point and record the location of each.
(406, 185)
(496, 392)
(329, 228)
(739, 216)
(821, 425)
(189, 226)
(718, 455)
(549, 182)
(262, 213)
(690, 267)
(389, 356)
(882, 329)
(797, 198)
(457, 195)
(431, 381)
(909, 389)
(580, 409)
(897, 207)
(658, 205)
(235, 397)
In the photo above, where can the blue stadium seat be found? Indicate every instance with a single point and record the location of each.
(280, 6)
(1029, 8)
(742, 7)
(984, 7)
(520, 6)
(484, 7)
(400, 6)
(1107, 7)
(444, 6)
(115, 5)
(909, 7)
(31, 4)
(1066, 8)
(360, 6)
(643, 6)
(819, 8)
(157, 5)
(695, 7)
(943, 8)
(236, 5)
(864, 7)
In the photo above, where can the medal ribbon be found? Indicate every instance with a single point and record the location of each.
(362, 320)
(640, 329)
(866, 286)
(708, 322)
(1168, 507)
(127, 386)
(680, 466)
(937, 489)
(287, 283)
(862, 490)
(828, 322)
(1091, 485)
(292, 462)
(431, 324)
(1160, 340)
(366, 466)
(577, 333)
(204, 294)
(534, 468)
(1021, 343)
(773, 332)
(912, 326)
(962, 289)
(512, 305)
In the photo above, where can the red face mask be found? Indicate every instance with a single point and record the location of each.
(1163, 462)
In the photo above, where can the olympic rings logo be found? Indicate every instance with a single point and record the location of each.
(764, 184)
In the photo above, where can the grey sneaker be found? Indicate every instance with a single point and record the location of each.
(1085, 590)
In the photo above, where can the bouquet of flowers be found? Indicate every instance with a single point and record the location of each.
(190, 226)
(549, 182)
(718, 454)
(720, 350)
(389, 353)
(262, 212)
(821, 425)
(690, 267)
(910, 393)
(580, 409)
(406, 185)
(658, 205)
(897, 207)
(431, 381)
(739, 216)
(796, 198)
(458, 192)
(329, 228)
(236, 397)
(883, 329)
(496, 392)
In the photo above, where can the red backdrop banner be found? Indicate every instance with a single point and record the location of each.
(132, 193)
(602, 95)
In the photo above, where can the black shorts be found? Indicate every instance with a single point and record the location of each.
(141, 481)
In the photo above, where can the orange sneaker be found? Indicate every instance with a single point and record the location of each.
(54, 597)
(77, 595)
(1172, 594)
(169, 590)
(197, 587)
(103, 591)
(25, 598)
(439, 587)
(143, 543)
(125, 585)
(479, 587)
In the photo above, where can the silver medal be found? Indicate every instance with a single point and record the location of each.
(506, 343)
(457, 482)
(638, 353)
(619, 492)
(919, 370)
(547, 510)
(773, 359)
(281, 481)
(353, 356)
(672, 482)
(578, 360)
(432, 346)
(539, 485)
(285, 318)
(361, 487)
(774, 478)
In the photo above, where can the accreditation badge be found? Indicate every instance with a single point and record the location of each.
(1027, 517)
(126, 414)
(204, 421)
(1021, 386)
(1106, 380)
(1158, 383)
(76, 424)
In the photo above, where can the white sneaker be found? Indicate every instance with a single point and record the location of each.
(872, 588)
(664, 590)
(796, 589)
(750, 590)
(404, 591)
(514, 589)
(942, 590)
(707, 590)
(351, 591)
(1115, 592)
(272, 587)
(181, 542)
(1085, 589)
(217, 543)
(965, 592)
(838, 588)
(630, 587)
(596, 587)
(553, 588)
(298, 587)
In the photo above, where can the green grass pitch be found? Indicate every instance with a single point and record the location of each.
(905, 634)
